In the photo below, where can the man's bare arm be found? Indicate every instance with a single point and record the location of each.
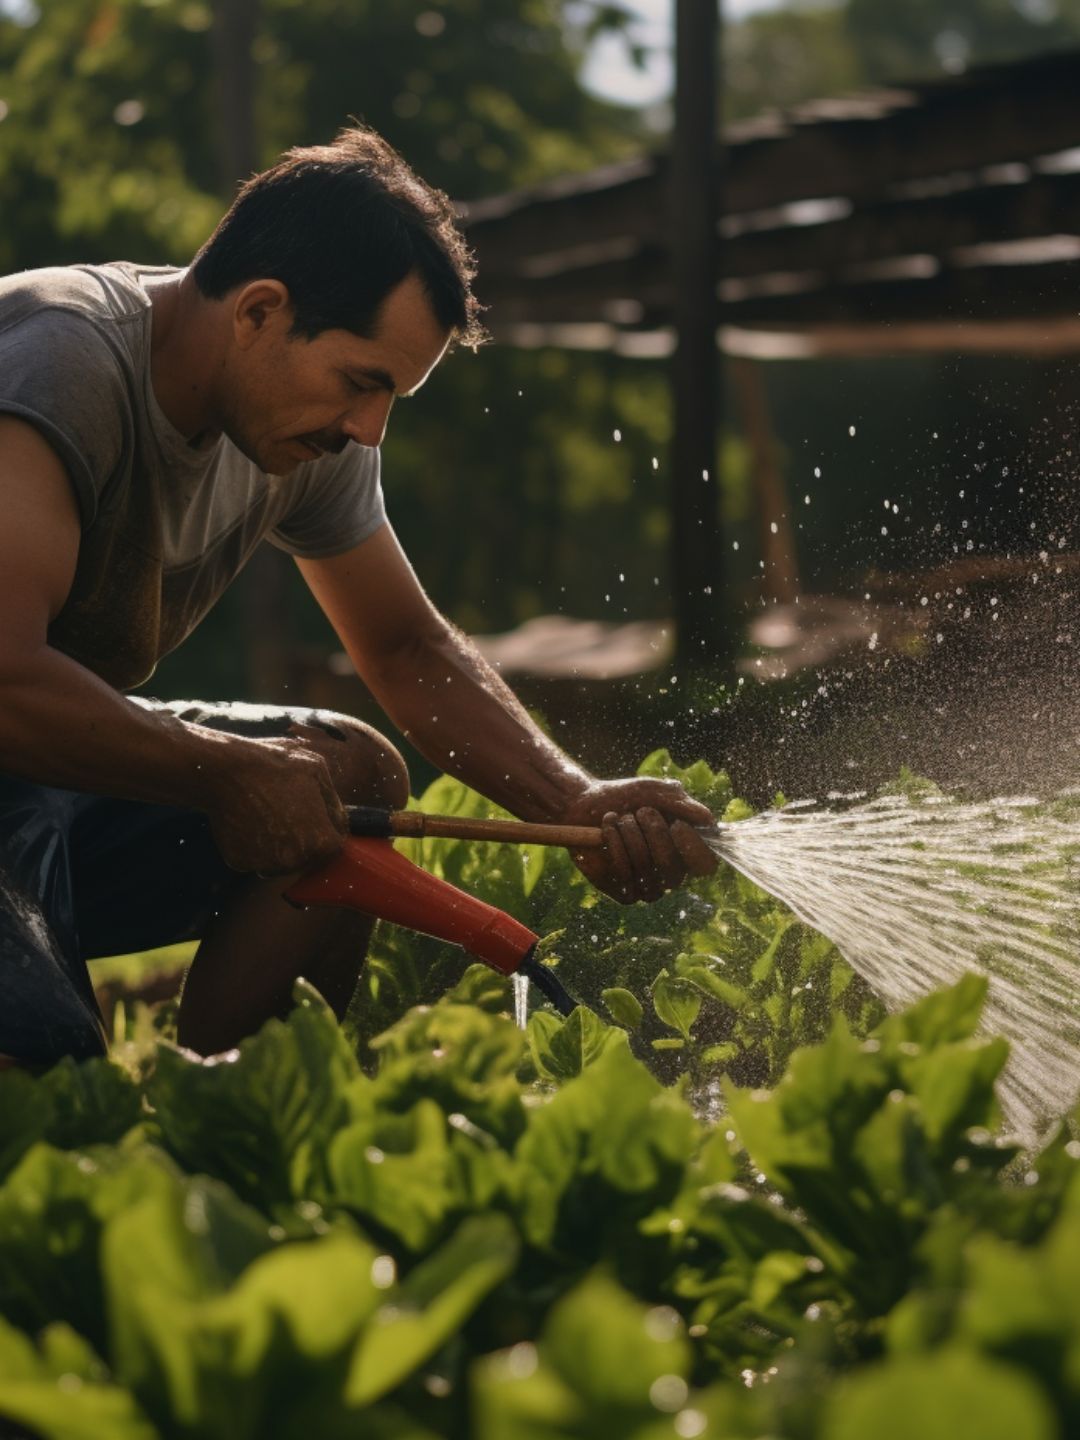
(438, 689)
(270, 801)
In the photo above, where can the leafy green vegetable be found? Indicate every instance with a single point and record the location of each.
(740, 1210)
(261, 1116)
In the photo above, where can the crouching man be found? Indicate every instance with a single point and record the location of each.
(156, 425)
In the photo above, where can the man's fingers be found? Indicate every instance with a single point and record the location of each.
(621, 862)
(697, 855)
(647, 883)
(667, 859)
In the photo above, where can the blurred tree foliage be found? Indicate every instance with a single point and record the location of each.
(111, 135)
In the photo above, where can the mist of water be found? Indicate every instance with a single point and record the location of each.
(916, 892)
(521, 1000)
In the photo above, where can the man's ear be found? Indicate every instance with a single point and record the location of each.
(260, 306)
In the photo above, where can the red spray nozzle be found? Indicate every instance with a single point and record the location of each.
(370, 875)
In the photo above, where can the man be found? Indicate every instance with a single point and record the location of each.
(155, 425)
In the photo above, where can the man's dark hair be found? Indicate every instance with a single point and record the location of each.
(341, 225)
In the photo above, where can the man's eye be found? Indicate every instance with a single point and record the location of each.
(355, 385)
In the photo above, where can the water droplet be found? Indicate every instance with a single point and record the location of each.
(669, 1393)
(383, 1272)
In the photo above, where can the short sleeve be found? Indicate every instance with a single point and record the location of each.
(59, 373)
(334, 503)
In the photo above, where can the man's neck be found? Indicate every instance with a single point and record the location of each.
(183, 356)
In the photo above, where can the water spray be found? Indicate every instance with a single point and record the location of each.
(914, 892)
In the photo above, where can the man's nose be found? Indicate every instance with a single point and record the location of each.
(366, 421)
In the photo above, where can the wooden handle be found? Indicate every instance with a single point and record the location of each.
(414, 824)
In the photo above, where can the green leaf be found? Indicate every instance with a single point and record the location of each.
(93, 1102)
(773, 1274)
(184, 1243)
(942, 1016)
(610, 1349)
(697, 972)
(613, 1127)
(260, 1117)
(766, 962)
(826, 1095)
(321, 1294)
(954, 1085)
(624, 1007)
(431, 1306)
(464, 1058)
(62, 1392)
(72, 1106)
(676, 1002)
(564, 1049)
(533, 860)
(938, 1397)
(1013, 1298)
(25, 1112)
(720, 1054)
(397, 1170)
(712, 788)
(53, 1208)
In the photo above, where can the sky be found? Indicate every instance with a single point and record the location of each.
(610, 72)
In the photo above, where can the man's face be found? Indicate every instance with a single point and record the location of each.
(292, 400)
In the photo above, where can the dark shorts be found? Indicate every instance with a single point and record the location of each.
(83, 876)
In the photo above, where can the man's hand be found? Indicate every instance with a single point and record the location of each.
(273, 808)
(651, 837)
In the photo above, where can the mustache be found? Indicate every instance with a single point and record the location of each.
(331, 443)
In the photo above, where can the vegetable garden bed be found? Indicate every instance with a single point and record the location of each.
(735, 1202)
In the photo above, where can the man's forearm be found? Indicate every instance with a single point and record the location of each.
(271, 803)
(61, 725)
(464, 718)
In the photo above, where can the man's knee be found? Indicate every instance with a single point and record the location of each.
(366, 768)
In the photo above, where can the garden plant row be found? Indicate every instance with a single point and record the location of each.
(727, 1198)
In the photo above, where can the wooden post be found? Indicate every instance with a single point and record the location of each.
(701, 618)
(236, 24)
(780, 577)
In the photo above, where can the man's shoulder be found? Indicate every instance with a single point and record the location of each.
(101, 294)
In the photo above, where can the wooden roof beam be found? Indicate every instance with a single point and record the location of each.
(962, 125)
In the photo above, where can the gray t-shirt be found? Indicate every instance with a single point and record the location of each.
(165, 527)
